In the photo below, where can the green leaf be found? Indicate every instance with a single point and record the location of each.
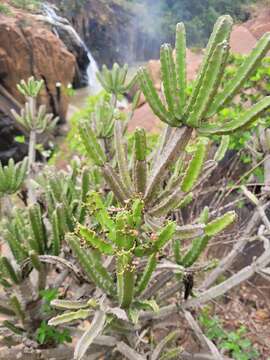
(147, 305)
(96, 328)
(92, 146)
(91, 238)
(69, 304)
(239, 123)
(152, 96)
(245, 71)
(168, 74)
(165, 236)
(147, 273)
(219, 224)
(195, 165)
(180, 48)
(69, 317)
(223, 147)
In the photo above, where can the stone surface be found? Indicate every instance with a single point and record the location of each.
(28, 47)
(259, 22)
(242, 40)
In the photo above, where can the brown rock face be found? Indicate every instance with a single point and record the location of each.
(242, 40)
(28, 49)
(260, 22)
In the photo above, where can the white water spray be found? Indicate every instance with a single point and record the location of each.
(58, 21)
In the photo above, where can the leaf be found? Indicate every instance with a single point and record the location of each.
(92, 146)
(197, 247)
(147, 305)
(181, 76)
(134, 315)
(90, 237)
(70, 316)
(195, 165)
(219, 224)
(147, 273)
(118, 312)
(220, 34)
(121, 154)
(152, 97)
(165, 236)
(210, 83)
(140, 144)
(223, 147)
(239, 123)
(89, 336)
(246, 69)
(189, 231)
(69, 304)
(169, 77)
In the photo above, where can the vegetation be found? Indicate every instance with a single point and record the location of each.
(71, 6)
(130, 225)
(4, 9)
(234, 343)
(26, 4)
(199, 16)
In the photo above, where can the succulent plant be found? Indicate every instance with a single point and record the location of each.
(207, 98)
(34, 236)
(12, 177)
(31, 88)
(114, 81)
(125, 233)
(32, 120)
(147, 190)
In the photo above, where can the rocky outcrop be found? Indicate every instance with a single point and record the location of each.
(32, 45)
(104, 27)
(29, 49)
(260, 21)
(9, 148)
(62, 28)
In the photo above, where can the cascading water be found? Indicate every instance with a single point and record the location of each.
(59, 23)
(92, 71)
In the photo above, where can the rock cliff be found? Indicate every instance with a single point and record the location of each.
(105, 26)
(30, 46)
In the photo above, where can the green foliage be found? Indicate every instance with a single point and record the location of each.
(38, 231)
(4, 9)
(234, 343)
(48, 295)
(97, 112)
(26, 4)
(208, 96)
(125, 216)
(31, 88)
(72, 6)
(32, 121)
(157, 17)
(114, 80)
(49, 335)
(122, 240)
(252, 91)
(12, 177)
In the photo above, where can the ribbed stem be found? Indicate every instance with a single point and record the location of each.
(31, 161)
(125, 280)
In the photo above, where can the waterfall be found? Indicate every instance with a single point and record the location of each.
(59, 23)
(92, 71)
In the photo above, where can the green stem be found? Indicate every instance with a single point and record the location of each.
(125, 280)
